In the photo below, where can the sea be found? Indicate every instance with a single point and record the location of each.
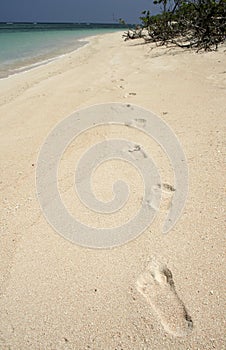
(25, 45)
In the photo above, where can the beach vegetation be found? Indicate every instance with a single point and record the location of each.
(198, 24)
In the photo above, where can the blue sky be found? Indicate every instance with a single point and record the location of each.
(73, 10)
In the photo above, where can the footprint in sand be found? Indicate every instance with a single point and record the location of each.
(157, 286)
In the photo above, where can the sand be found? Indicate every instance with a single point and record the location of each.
(157, 291)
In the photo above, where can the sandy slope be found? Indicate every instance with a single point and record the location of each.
(56, 295)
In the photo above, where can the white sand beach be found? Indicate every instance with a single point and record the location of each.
(156, 292)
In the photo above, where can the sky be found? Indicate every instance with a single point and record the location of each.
(103, 11)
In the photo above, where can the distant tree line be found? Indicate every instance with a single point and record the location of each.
(198, 24)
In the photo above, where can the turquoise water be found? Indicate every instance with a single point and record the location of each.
(23, 45)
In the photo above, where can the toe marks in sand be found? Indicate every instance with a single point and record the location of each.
(157, 286)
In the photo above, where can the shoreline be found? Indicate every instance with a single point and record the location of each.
(57, 295)
(45, 59)
(42, 62)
